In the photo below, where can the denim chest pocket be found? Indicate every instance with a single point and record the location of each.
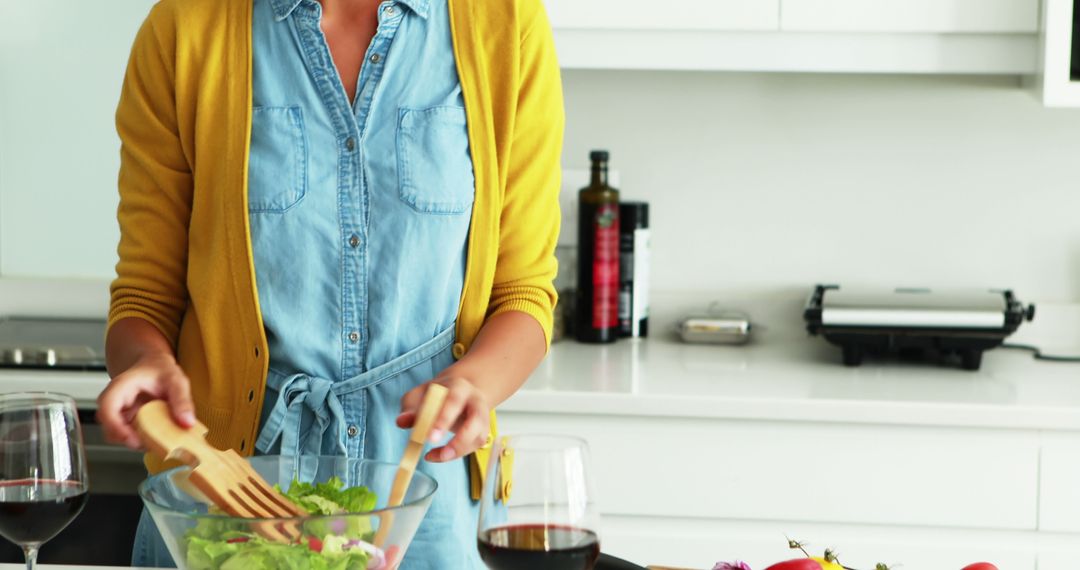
(278, 159)
(435, 171)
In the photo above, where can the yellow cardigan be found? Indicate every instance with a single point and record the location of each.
(184, 121)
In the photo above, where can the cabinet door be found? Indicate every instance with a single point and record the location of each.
(967, 16)
(823, 473)
(1058, 79)
(1059, 483)
(643, 15)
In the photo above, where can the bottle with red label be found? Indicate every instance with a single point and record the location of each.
(597, 306)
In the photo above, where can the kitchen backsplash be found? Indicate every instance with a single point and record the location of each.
(755, 181)
(771, 181)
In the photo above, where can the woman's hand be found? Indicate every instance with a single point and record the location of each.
(466, 413)
(505, 352)
(155, 376)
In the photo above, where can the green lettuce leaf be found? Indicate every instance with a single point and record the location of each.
(224, 544)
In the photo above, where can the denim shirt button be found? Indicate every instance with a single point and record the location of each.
(353, 431)
(350, 144)
(354, 240)
(376, 58)
(354, 336)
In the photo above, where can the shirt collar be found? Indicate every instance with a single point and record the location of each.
(418, 6)
(283, 8)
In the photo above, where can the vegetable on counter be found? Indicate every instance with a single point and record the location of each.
(335, 543)
(829, 561)
(806, 564)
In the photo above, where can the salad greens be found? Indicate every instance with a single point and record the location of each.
(329, 498)
(339, 543)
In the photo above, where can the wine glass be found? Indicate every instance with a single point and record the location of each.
(543, 517)
(43, 481)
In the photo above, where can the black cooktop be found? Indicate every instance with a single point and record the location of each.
(52, 343)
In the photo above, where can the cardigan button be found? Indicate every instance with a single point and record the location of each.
(458, 350)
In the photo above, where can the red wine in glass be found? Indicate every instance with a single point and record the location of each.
(538, 547)
(42, 468)
(33, 511)
(536, 508)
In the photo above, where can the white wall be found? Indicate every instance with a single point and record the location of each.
(61, 65)
(755, 180)
(774, 181)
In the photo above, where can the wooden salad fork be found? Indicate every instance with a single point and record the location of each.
(418, 438)
(224, 477)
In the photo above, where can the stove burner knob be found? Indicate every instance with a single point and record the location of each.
(12, 356)
(30, 357)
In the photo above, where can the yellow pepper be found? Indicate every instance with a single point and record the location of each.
(826, 565)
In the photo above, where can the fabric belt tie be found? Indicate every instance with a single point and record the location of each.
(300, 395)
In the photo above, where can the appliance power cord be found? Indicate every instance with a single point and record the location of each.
(1038, 354)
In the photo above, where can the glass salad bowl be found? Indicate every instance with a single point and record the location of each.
(355, 490)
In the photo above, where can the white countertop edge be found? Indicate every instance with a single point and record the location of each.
(918, 414)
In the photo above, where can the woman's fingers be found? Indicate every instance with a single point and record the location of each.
(464, 412)
(120, 401)
(471, 432)
(468, 439)
(406, 419)
(183, 409)
(460, 392)
(117, 405)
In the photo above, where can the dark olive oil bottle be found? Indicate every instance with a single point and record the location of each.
(1074, 67)
(598, 256)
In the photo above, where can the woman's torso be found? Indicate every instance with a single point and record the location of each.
(359, 209)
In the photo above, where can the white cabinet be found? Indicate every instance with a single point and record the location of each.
(1059, 484)
(702, 453)
(808, 472)
(646, 15)
(1059, 86)
(692, 491)
(944, 16)
(871, 36)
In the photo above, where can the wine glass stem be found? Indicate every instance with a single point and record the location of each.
(31, 556)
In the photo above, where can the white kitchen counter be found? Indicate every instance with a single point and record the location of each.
(783, 374)
(796, 377)
(925, 458)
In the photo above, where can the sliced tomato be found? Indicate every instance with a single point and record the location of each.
(797, 564)
(980, 566)
(314, 544)
(238, 539)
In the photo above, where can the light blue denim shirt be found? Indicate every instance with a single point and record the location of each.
(359, 219)
(359, 212)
